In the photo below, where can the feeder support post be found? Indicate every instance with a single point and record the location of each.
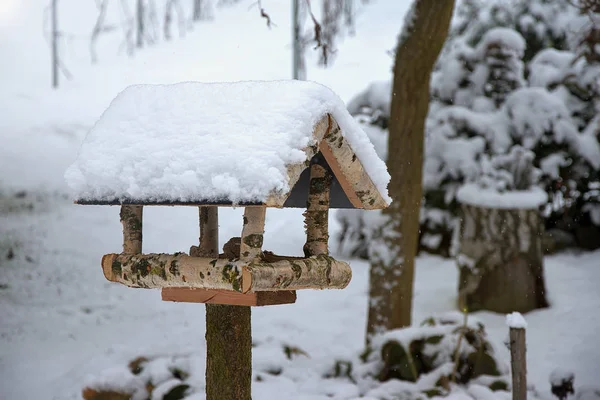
(228, 332)
(316, 215)
(131, 218)
(252, 233)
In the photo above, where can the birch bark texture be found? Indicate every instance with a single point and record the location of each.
(131, 219)
(316, 216)
(395, 240)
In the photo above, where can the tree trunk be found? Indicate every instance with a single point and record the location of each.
(395, 241)
(501, 260)
(54, 10)
(139, 15)
(197, 11)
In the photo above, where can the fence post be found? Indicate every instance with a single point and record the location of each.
(518, 360)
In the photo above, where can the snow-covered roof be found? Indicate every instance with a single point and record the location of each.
(224, 143)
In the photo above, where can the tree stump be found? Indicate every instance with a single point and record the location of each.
(501, 260)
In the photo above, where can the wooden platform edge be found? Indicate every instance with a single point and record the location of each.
(229, 297)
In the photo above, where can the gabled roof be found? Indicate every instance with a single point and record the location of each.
(225, 144)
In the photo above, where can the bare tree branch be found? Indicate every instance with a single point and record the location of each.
(264, 15)
(101, 5)
(128, 28)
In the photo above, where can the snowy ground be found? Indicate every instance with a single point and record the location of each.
(61, 321)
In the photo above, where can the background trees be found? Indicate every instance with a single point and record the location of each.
(512, 73)
(395, 239)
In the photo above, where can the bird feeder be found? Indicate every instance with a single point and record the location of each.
(255, 145)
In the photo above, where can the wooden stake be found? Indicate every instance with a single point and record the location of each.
(317, 212)
(252, 233)
(228, 334)
(131, 218)
(518, 363)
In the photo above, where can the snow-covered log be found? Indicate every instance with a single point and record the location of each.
(181, 270)
(500, 259)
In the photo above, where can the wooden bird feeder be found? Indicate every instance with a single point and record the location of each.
(329, 175)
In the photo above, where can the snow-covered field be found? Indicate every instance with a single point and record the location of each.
(62, 322)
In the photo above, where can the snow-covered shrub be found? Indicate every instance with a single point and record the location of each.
(561, 383)
(441, 356)
(513, 73)
(164, 378)
(508, 172)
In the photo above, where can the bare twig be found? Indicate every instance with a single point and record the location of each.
(101, 5)
(320, 42)
(264, 15)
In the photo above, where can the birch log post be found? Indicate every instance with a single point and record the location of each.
(228, 339)
(252, 232)
(131, 218)
(518, 363)
(316, 216)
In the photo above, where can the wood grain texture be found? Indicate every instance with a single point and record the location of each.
(518, 363)
(214, 296)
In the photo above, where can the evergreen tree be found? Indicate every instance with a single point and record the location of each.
(513, 73)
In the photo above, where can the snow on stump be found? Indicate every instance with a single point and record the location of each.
(251, 144)
(501, 258)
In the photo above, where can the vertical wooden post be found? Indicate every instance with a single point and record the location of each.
(252, 233)
(228, 332)
(131, 218)
(317, 212)
(209, 231)
(518, 363)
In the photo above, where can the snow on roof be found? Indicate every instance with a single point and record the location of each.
(195, 141)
